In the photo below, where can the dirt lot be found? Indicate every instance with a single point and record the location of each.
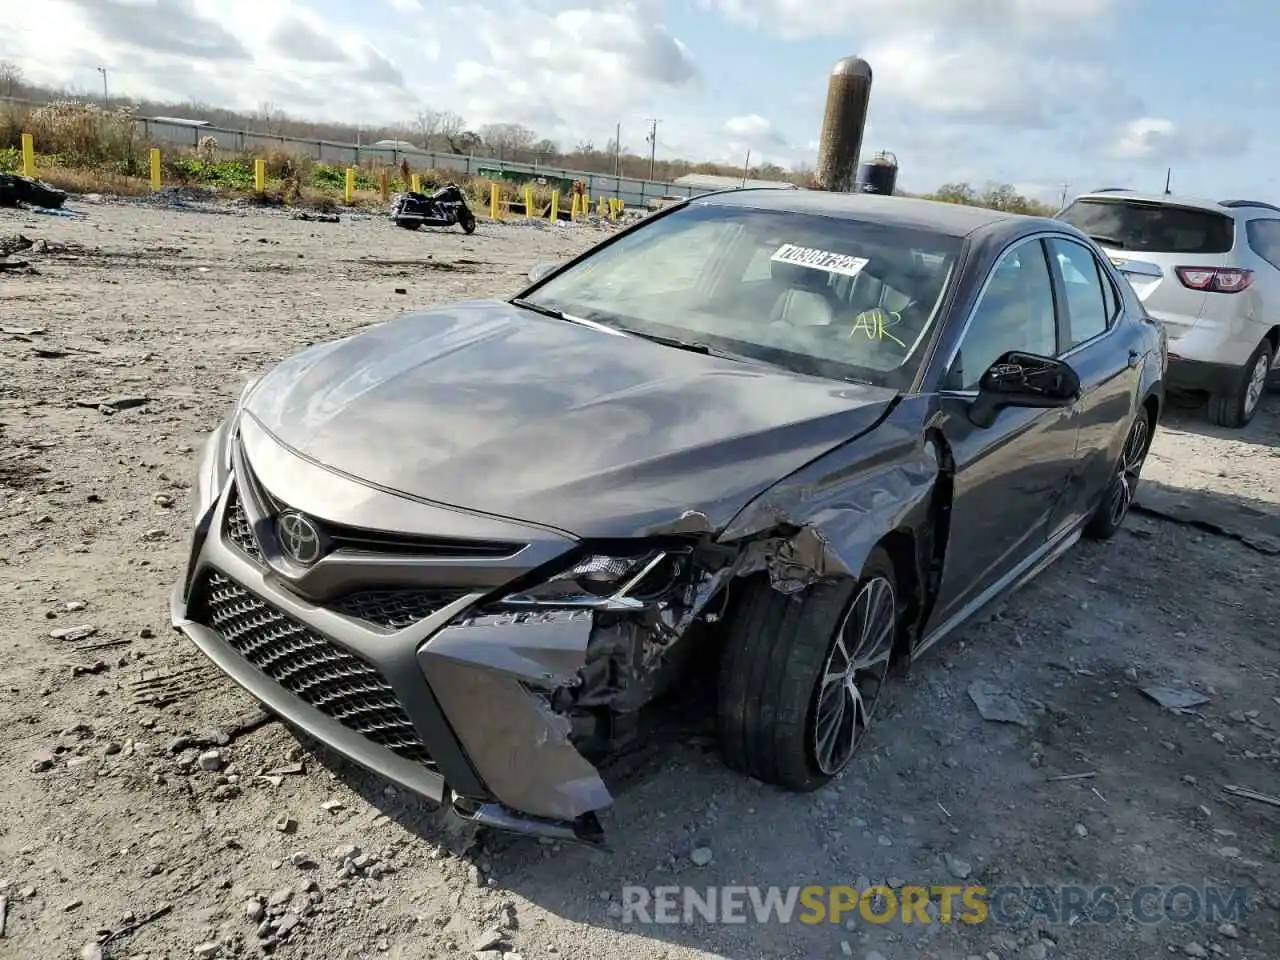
(111, 828)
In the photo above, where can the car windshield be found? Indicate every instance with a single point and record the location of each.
(824, 296)
(1151, 226)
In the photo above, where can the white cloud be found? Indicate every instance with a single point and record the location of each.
(1162, 140)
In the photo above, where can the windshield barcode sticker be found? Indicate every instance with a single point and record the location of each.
(840, 263)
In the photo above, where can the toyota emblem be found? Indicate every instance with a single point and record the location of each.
(299, 538)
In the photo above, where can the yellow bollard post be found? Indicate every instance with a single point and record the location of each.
(416, 183)
(573, 208)
(349, 190)
(155, 168)
(600, 206)
(494, 212)
(555, 205)
(528, 202)
(28, 155)
(384, 186)
(586, 202)
(260, 175)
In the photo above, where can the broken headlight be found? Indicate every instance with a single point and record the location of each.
(602, 581)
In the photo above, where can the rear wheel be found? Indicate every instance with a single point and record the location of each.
(1110, 513)
(1237, 407)
(409, 224)
(801, 675)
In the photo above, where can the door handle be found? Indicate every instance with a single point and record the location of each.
(1134, 357)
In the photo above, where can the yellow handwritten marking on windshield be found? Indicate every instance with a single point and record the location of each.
(875, 324)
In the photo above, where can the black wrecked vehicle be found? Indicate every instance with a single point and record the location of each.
(443, 208)
(805, 434)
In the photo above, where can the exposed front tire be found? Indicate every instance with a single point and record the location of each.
(801, 675)
(1237, 407)
(1110, 514)
(467, 220)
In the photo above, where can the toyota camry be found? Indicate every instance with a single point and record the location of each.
(800, 436)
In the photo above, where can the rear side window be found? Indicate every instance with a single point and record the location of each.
(1085, 290)
(1151, 226)
(1264, 240)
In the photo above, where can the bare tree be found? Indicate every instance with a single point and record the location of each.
(545, 148)
(465, 141)
(270, 117)
(509, 140)
(11, 78)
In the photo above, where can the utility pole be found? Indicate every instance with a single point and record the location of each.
(653, 142)
(1168, 179)
(746, 167)
(1062, 203)
(106, 100)
(617, 149)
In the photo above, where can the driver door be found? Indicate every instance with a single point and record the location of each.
(1011, 475)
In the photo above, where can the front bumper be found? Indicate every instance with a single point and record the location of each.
(404, 680)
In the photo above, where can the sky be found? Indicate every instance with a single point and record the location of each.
(1052, 96)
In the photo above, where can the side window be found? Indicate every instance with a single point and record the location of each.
(1264, 239)
(1015, 313)
(1109, 296)
(1086, 293)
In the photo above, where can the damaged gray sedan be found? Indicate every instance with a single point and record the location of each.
(800, 434)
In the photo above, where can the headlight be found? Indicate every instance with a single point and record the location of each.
(215, 459)
(603, 581)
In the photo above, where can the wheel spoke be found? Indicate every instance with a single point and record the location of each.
(853, 674)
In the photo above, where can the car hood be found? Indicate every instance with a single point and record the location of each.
(487, 406)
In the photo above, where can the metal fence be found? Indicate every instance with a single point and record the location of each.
(632, 191)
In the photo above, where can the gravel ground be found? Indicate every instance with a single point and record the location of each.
(147, 810)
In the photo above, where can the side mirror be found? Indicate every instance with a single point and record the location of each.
(1023, 380)
(541, 269)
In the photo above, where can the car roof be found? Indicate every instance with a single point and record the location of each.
(1224, 207)
(948, 219)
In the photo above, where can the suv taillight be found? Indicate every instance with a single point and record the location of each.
(1215, 279)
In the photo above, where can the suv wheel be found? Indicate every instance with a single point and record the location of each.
(1236, 409)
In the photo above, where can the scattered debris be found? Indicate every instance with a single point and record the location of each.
(995, 705)
(112, 405)
(1174, 699)
(81, 632)
(317, 217)
(1247, 794)
(1074, 776)
(137, 925)
(701, 856)
(1081, 830)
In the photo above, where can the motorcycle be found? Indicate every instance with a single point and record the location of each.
(443, 208)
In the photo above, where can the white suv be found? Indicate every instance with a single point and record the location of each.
(1210, 272)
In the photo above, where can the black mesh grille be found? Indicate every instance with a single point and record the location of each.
(238, 529)
(395, 609)
(336, 682)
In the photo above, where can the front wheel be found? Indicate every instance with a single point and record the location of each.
(801, 675)
(1237, 407)
(467, 220)
(1110, 513)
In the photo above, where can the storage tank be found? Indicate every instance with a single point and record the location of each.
(848, 93)
(879, 174)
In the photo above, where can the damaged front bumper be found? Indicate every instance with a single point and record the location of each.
(376, 652)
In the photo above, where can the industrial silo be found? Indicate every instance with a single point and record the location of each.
(848, 94)
(879, 174)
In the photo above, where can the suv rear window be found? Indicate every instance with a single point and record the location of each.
(1154, 227)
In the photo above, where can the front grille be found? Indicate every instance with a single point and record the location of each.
(395, 609)
(335, 681)
(239, 531)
